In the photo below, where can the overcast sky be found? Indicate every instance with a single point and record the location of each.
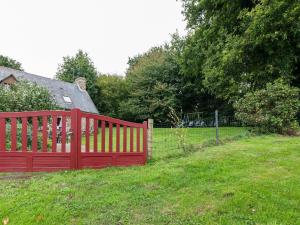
(39, 33)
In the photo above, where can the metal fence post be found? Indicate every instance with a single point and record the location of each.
(150, 138)
(217, 126)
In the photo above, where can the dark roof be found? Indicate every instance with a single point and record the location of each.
(58, 89)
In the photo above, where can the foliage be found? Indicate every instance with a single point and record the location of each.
(79, 65)
(272, 109)
(151, 95)
(239, 46)
(25, 96)
(155, 84)
(10, 63)
(252, 181)
(113, 91)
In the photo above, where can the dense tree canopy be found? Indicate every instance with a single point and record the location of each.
(240, 45)
(156, 85)
(11, 63)
(76, 66)
(150, 94)
(113, 91)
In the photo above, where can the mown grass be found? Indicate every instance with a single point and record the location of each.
(254, 180)
(166, 140)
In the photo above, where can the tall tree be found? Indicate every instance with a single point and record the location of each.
(76, 66)
(113, 91)
(9, 62)
(156, 84)
(238, 46)
(150, 94)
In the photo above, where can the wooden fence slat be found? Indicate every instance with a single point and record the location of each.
(63, 134)
(124, 138)
(2, 135)
(13, 134)
(95, 135)
(103, 136)
(54, 132)
(131, 139)
(145, 139)
(45, 134)
(34, 134)
(138, 141)
(24, 134)
(87, 134)
(118, 138)
(110, 137)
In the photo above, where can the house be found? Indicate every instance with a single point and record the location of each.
(66, 95)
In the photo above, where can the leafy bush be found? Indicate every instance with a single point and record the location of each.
(25, 96)
(272, 109)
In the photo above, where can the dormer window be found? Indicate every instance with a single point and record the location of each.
(67, 99)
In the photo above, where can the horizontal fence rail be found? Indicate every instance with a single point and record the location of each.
(61, 140)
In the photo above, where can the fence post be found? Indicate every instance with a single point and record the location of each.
(217, 126)
(75, 114)
(150, 138)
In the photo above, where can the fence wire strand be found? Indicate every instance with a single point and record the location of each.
(193, 131)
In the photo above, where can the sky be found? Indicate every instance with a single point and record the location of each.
(39, 33)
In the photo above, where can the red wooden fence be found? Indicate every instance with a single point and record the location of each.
(62, 140)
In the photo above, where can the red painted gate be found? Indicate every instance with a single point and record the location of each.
(62, 140)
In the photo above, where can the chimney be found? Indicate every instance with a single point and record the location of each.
(81, 83)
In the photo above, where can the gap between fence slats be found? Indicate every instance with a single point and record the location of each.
(138, 142)
(45, 134)
(24, 134)
(34, 134)
(131, 139)
(118, 138)
(13, 137)
(124, 138)
(54, 128)
(2, 135)
(63, 134)
(87, 134)
(110, 137)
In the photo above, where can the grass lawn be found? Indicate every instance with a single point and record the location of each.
(250, 181)
(166, 138)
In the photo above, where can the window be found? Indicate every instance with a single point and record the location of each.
(67, 99)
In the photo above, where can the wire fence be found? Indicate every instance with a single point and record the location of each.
(194, 131)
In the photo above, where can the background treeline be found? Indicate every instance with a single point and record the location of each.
(153, 84)
(235, 55)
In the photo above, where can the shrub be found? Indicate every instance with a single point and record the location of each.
(272, 109)
(25, 96)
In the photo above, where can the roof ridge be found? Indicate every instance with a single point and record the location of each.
(19, 71)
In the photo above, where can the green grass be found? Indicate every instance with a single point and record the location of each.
(253, 180)
(166, 138)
